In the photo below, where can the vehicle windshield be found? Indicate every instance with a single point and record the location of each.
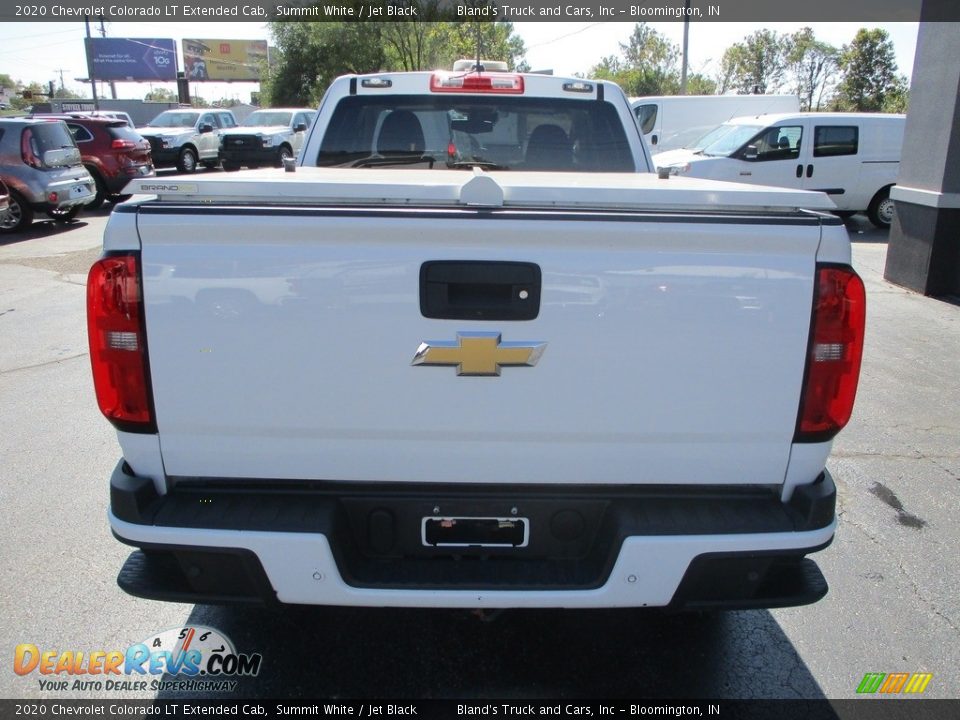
(175, 119)
(266, 118)
(500, 132)
(726, 140)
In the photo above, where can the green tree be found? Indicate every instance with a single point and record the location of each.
(310, 55)
(868, 75)
(811, 67)
(430, 45)
(647, 64)
(758, 64)
(161, 95)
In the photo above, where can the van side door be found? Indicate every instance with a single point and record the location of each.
(834, 163)
(774, 156)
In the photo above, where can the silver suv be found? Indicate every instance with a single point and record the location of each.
(40, 164)
(188, 136)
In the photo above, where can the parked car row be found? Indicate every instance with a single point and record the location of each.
(43, 170)
(57, 164)
(186, 138)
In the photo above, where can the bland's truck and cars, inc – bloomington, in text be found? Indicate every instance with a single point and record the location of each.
(470, 352)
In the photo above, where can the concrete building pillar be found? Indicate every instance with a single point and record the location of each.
(923, 253)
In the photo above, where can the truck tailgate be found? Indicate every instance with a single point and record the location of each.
(674, 346)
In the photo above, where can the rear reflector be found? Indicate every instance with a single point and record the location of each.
(835, 351)
(503, 83)
(118, 344)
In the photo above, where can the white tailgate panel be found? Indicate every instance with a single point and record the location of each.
(281, 347)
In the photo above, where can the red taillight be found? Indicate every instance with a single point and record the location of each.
(835, 350)
(119, 144)
(27, 153)
(118, 352)
(505, 83)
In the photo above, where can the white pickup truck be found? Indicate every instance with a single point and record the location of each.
(471, 353)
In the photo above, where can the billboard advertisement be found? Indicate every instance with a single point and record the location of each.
(223, 60)
(133, 58)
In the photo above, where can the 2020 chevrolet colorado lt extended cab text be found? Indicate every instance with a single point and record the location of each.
(471, 353)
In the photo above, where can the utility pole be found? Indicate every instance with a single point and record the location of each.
(113, 84)
(686, 47)
(60, 72)
(93, 80)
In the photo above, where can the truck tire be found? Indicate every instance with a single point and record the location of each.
(19, 215)
(284, 153)
(187, 161)
(230, 166)
(880, 211)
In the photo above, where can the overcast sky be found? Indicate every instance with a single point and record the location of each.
(39, 51)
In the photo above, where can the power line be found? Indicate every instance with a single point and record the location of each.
(562, 37)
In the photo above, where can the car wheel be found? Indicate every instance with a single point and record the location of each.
(231, 166)
(66, 215)
(284, 154)
(101, 190)
(880, 211)
(187, 162)
(19, 215)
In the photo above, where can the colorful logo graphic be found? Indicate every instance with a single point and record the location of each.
(894, 683)
(202, 655)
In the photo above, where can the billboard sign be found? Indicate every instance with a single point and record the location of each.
(223, 60)
(132, 58)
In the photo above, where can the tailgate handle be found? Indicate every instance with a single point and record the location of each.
(479, 290)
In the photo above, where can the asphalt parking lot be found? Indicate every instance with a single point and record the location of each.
(893, 606)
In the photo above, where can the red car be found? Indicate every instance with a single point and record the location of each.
(112, 152)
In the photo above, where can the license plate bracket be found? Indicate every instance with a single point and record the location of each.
(470, 532)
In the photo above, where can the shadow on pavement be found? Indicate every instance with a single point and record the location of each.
(401, 653)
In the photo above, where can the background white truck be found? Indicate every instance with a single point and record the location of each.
(669, 122)
(420, 380)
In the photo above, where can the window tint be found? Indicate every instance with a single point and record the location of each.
(209, 119)
(647, 117)
(123, 132)
(80, 133)
(520, 133)
(226, 120)
(778, 143)
(50, 136)
(832, 140)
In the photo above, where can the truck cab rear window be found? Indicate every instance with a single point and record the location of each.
(497, 133)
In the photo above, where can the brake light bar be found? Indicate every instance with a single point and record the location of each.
(834, 354)
(118, 353)
(502, 83)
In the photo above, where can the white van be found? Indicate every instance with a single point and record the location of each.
(852, 157)
(675, 121)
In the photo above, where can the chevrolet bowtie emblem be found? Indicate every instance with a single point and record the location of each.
(479, 353)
